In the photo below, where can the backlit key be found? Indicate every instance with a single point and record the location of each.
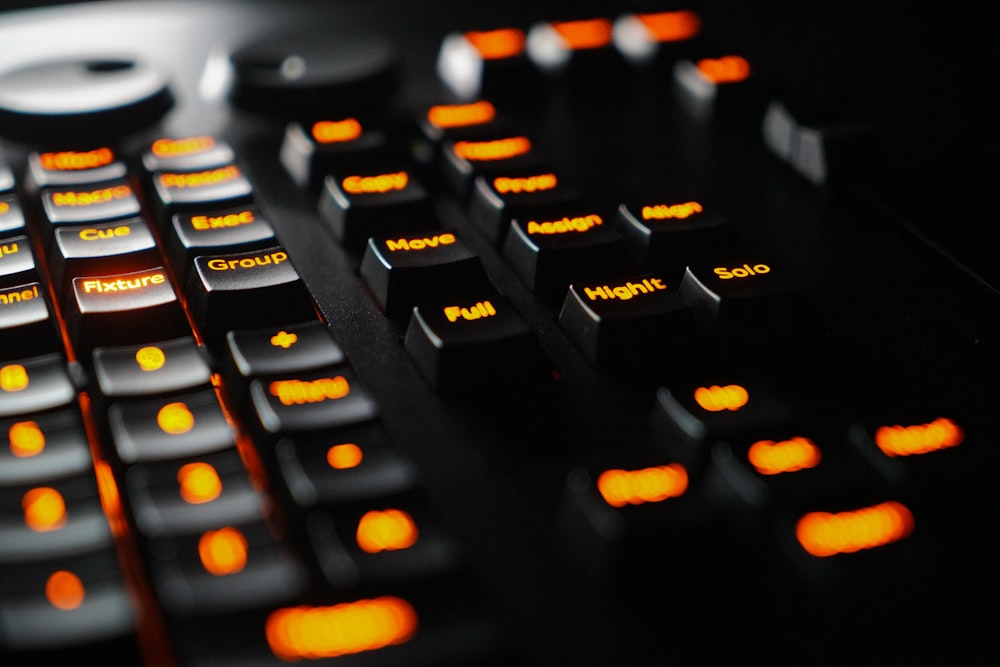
(311, 401)
(636, 322)
(656, 36)
(90, 202)
(41, 447)
(550, 251)
(186, 153)
(17, 261)
(581, 47)
(34, 385)
(127, 245)
(487, 62)
(123, 309)
(725, 88)
(374, 202)
(310, 151)
(464, 159)
(11, 215)
(246, 290)
(151, 368)
(471, 342)
(26, 324)
(213, 186)
(403, 271)
(499, 197)
(212, 231)
(61, 168)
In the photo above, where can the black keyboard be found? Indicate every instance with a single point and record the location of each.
(525, 333)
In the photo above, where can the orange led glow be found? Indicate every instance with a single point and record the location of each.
(91, 197)
(150, 358)
(284, 340)
(74, 160)
(716, 398)
(14, 377)
(420, 243)
(64, 590)
(4, 207)
(496, 149)
(312, 633)
(496, 44)
(343, 456)
(461, 115)
(480, 310)
(298, 392)
(381, 183)
(727, 69)
(335, 131)
(386, 530)
(185, 146)
(136, 281)
(826, 534)
(566, 225)
(507, 185)
(44, 509)
(585, 34)
(770, 457)
(671, 26)
(26, 439)
(110, 498)
(175, 418)
(648, 485)
(941, 433)
(199, 483)
(199, 179)
(223, 551)
(671, 211)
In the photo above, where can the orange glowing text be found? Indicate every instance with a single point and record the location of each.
(74, 160)
(671, 211)
(480, 310)
(941, 433)
(378, 184)
(199, 483)
(461, 115)
(585, 34)
(727, 69)
(671, 26)
(648, 485)
(495, 149)
(223, 551)
(335, 131)
(386, 530)
(299, 392)
(185, 146)
(496, 44)
(344, 456)
(770, 457)
(517, 185)
(716, 398)
(26, 439)
(44, 509)
(830, 533)
(64, 590)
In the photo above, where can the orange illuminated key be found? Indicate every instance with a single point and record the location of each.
(51, 519)
(724, 89)
(43, 447)
(474, 342)
(150, 368)
(669, 232)
(80, 600)
(492, 62)
(26, 324)
(246, 290)
(551, 248)
(657, 36)
(61, 168)
(392, 539)
(748, 300)
(311, 400)
(462, 159)
(223, 185)
(34, 384)
(359, 464)
(638, 322)
(228, 568)
(403, 271)
(186, 153)
(212, 231)
(192, 494)
(373, 202)
(11, 215)
(310, 151)
(95, 202)
(124, 308)
(723, 409)
(499, 196)
(164, 429)
(80, 250)
(583, 46)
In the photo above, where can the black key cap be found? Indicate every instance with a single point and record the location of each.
(641, 321)
(213, 231)
(11, 215)
(496, 199)
(576, 244)
(465, 158)
(60, 168)
(492, 62)
(186, 153)
(95, 202)
(246, 290)
(166, 429)
(309, 152)
(281, 350)
(122, 309)
(404, 271)
(657, 38)
(43, 447)
(126, 245)
(224, 185)
(311, 401)
(17, 261)
(26, 324)
(725, 89)
(145, 370)
(375, 202)
(470, 343)
(35, 385)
